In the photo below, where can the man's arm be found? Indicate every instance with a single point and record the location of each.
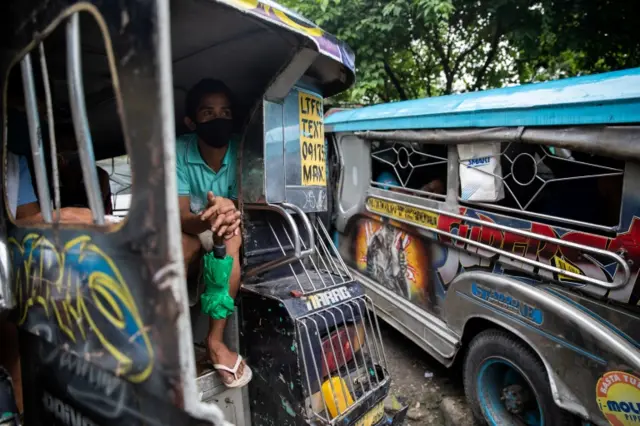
(220, 216)
(191, 223)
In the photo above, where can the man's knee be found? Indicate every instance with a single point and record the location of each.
(190, 246)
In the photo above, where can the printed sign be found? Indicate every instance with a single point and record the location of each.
(618, 396)
(566, 266)
(313, 162)
(410, 214)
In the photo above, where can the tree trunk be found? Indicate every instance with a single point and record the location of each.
(394, 80)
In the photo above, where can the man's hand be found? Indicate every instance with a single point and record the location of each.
(222, 215)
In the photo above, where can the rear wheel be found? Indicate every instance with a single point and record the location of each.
(506, 384)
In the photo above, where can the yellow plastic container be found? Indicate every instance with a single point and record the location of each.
(337, 396)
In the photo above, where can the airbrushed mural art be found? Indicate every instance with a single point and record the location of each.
(390, 254)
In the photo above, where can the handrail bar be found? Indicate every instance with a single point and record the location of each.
(615, 257)
(307, 224)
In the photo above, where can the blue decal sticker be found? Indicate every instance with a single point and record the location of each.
(508, 302)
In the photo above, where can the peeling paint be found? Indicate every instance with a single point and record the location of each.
(287, 407)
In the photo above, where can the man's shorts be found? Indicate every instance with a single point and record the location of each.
(206, 239)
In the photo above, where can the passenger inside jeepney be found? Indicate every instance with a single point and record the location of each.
(207, 192)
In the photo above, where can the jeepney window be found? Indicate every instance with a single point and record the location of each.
(544, 182)
(45, 150)
(412, 168)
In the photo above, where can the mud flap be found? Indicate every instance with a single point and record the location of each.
(396, 415)
(395, 418)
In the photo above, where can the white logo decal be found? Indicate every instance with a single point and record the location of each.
(66, 414)
(327, 298)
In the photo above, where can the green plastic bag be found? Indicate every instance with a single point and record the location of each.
(216, 301)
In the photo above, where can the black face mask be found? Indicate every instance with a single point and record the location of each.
(216, 132)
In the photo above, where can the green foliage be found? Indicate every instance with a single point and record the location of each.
(415, 48)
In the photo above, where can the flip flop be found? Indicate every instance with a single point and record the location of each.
(238, 382)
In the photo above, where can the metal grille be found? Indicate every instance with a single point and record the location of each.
(314, 261)
(343, 358)
(528, 177)
(406, 161)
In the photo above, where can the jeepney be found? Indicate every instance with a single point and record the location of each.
(499, 231)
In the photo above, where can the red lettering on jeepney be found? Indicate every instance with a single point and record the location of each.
(475, 233)
(491, 236)
(446, 224)
(544, 250)
(590, 240)
(463, 231)
(515, 243)
(629, 241)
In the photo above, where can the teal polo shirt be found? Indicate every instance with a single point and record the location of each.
(196, 178)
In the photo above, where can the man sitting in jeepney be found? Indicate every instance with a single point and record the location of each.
(207, 190)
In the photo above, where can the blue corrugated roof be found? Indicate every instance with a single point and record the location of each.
(595, 99)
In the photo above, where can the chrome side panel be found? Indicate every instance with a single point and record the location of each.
(575, 348)
(425, 330)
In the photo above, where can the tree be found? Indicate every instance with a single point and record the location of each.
(573, 37)
(415, 48)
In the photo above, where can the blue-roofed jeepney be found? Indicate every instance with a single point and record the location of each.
(501, 229)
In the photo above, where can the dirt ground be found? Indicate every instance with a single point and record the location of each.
(420, 379)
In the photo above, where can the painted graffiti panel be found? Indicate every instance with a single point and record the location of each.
(78, 290)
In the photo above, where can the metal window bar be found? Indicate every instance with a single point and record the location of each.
(80, 121)
(35, 136)
(361, 375)
(617, 283)
(524, 207)
(397, 165)
(52, 133)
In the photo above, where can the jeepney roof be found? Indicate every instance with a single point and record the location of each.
(327, 44)
(258, 46)
(610, 98)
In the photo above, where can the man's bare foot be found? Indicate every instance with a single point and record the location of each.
(219, 353)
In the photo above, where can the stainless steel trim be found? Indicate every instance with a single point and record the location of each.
(619, 260)
(35, 137)
(539, 215)
(80, 121)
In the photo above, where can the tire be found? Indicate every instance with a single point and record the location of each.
(497, 362)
